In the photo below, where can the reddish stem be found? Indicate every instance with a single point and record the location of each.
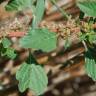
(16, 34)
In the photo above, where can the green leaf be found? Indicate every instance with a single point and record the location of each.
(39, 39)
(40, 7)
(6, 42)
(88, 7)
(90, 65)
(92, 38)
(33, 77)
(18, 5)
(10, 53)
(82, 37)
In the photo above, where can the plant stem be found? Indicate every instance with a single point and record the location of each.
(60, 9)
(85, 46)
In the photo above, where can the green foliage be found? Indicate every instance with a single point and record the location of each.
(82, 37)
(32, 76)
(90, 65)
(18, 5)
(88, 33)
(92, 38)
(88, 36)
(88, 7)
(10, 52)
(6, 42)
(6, 50)
(38, 14)
(39, 39)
